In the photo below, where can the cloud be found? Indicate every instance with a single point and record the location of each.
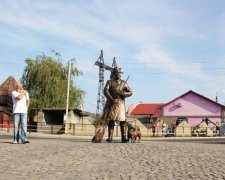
(19, 37)
(159, 58)
(33, 18)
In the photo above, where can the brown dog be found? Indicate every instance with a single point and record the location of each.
(133, 133)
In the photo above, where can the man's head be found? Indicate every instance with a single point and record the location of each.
(19, 87)
(117, 73)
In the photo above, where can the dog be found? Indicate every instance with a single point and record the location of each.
(133, 133)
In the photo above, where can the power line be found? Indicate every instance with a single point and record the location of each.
(172, 74)
(12, 62)
(181, 62)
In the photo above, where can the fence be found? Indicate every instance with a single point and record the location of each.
(89, 130)
(74, 129)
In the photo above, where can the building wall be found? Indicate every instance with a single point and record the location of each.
(192, 105)
(183, 130)
(51, 122)
(193, 121)
(5, 121)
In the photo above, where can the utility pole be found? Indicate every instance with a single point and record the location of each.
(68, 94)
(101, 98)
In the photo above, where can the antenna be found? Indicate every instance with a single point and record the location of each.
(114, 64)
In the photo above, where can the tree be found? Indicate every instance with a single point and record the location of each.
(45, 78)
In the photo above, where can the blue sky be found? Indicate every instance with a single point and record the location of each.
(168, 47)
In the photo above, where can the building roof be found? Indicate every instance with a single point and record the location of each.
(6, 89)
(63, 110)
(189, 92)
(147, 109)
(8, 86)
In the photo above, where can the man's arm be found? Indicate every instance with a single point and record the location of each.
(106, 92)
(22, 94)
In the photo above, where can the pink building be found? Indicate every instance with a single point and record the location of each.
(193, 107)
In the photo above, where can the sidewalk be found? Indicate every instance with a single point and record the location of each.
(69, 157)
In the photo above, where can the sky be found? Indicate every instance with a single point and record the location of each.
(166, 47)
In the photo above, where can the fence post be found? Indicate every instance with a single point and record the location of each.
(52, 129)
(117, 133)
(8, 126)
(73, 129)
(183, 130)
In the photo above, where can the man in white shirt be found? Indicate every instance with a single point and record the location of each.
(21, 102)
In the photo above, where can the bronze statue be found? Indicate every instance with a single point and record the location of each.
(115, 91)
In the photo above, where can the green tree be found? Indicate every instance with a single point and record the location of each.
(45, 78)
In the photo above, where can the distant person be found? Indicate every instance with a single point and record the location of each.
(174, 124)
(217, 128)
(154, 124)
(164, 128)
(21, 102)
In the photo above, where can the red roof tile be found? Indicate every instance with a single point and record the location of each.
(147, 109)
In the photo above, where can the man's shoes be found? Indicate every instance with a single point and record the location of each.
(15, 142)
(24, 142)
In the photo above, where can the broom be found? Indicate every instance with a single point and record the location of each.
(99, 134)
(101, 131)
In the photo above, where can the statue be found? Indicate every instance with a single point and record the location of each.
(115, 91)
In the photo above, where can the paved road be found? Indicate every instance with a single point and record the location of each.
(66, 157)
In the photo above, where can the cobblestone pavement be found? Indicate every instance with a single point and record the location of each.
(67, 157)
